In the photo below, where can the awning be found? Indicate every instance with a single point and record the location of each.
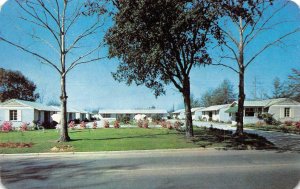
(233, 109)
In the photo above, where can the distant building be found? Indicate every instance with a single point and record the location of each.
(19, 111)
(282, 109)
(180, 114)
(216, 113)
(113, 114)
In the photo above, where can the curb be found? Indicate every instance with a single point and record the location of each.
(111, 152)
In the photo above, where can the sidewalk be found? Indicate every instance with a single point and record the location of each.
(284, 141)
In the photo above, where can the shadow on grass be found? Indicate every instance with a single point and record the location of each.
(206, 137)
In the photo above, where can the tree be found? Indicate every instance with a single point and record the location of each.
(249, 17)
(60, 19)
(195, 102)
(294, 86)
(207, 99)
(159, 42)
(279, 89)
(223, 94)
(14, 85)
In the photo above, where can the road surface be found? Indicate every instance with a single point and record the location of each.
(191, 168)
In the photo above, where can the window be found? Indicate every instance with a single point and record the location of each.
(249, 112)
(287, 112)
(13, 115)
(106, 116)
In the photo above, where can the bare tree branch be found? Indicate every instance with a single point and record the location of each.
(271, 44)
(31, 52)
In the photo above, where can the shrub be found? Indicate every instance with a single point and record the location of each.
(297, 124)
(169, 125)
(124, 119)
(156, 118)
(72, 125)
(77, 121)
(6, 126)
(163, 124)
(116, 124)
(260, 123)
(95, 125)
(24, 126)
(178, 125)
(82, 125)
(145, 124)
(288, 123)
(268, 118)
(106, 124)
(140, 123)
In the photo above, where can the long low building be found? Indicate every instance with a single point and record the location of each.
(282, 109)
(21, 111)
(114, 114)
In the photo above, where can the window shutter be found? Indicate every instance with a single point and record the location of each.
(19, 115)
(281, 113)
(292, 113)
(6, 116)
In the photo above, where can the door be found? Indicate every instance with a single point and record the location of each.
(47, 117)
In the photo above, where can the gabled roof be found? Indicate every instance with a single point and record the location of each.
(34, 105)
(132, 111)
(197, 109)
(267, 102)
(215, 108)
(178, 111)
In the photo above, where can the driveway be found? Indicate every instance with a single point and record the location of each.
(284, 141)
(162, 169)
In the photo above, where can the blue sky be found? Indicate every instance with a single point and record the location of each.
(92, 86)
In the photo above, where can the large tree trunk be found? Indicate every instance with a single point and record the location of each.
(241, 100)
(240, 113)
(64, 136)
(187, 104)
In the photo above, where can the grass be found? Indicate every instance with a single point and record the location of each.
(115, 140)
(284, 129)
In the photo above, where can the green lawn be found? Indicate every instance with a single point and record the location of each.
(284, 129)
(98, 140)
(89, 140)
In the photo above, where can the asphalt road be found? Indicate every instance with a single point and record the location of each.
(154, 169)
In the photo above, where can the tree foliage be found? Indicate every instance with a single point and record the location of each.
(280, 90)
(14, 85)
(159, 42)
(223, 94)
(294, 86)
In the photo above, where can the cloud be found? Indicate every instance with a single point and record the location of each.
(297, 2)
(2, 2)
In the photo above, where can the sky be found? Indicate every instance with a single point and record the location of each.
(92, 87)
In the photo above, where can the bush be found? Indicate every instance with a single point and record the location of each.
(106, 124)
(82, 125)
(124, 119)
(95, 125)
(163, 124)
(178, 125)
(288, 123)
(145, 124)
(77, 121)
(71, 125)
(6, 126)
(116, 124)
(268, 118)
(24, 126)
(260, 123)
(140, 123)
(156, 118)
(169, 125)
(297, 124)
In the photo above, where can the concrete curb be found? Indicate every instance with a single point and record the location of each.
(111, 152)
